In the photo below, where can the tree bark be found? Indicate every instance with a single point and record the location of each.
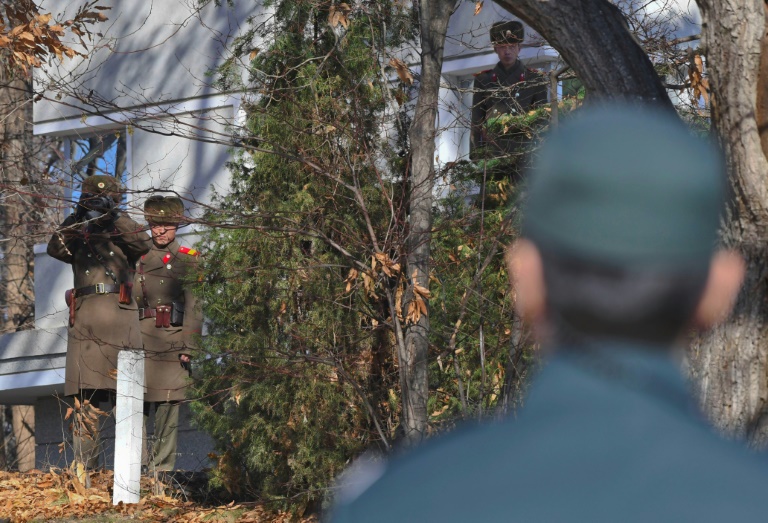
(433, 19)
(17, 296)
(729, 365)
(593, 38)
(16, 288)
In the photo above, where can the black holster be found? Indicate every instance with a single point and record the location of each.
(177, 314)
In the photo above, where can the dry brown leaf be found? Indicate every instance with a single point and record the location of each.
(478, 7)
(339, 15)
(402, 70)
(699, 84)
(254, 52)
(351, 278)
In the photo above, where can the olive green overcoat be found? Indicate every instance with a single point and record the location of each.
(165, 272)
(500, 91)
(102, 325)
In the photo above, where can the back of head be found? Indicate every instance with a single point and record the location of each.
(624, 205)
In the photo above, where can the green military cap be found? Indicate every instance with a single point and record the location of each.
(627, 187)
(164, 210)
(102, 184)
(508, 32)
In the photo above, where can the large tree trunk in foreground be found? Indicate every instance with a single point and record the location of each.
(17, 298)
(16, 289)
(433, 16)
(729, 365)
(592, 37)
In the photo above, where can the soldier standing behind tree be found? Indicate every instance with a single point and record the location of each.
(170, 322)
(508, 89)
(102, 245)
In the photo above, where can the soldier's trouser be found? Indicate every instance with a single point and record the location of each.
(162, 454)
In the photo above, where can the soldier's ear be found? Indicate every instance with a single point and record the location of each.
(526, 275)
(726, 273)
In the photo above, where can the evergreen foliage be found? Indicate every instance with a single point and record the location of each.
(304, 274)
(300, 358)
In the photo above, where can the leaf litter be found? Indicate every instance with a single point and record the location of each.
(58, 495)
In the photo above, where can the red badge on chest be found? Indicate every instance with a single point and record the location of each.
(167, 257)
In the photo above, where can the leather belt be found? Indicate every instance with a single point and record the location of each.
(99, 288)
(147, 313)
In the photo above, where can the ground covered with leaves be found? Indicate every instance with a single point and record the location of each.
(58, 496)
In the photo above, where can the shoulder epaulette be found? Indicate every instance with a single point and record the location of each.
(187, 250)
(483, 72)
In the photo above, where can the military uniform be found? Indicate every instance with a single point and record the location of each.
(160, 284)
(603, 437)
(501, 91)
(103, 255)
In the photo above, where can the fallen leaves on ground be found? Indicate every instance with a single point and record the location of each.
(46, 496)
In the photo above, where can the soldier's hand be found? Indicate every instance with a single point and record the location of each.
(185, 360)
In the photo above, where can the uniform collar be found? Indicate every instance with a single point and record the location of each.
(516, 68)
(647, 370)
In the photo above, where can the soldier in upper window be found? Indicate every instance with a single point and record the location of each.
(508, 89)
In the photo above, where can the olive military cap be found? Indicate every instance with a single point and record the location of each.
(164, 210)
(626, 187)
(102, 184)
(509, 32)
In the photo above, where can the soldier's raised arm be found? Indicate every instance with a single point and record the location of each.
(62, 242)
(131, 237)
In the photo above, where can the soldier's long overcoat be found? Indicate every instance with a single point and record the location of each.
(165, 273)
(501, 91)
(102, 326)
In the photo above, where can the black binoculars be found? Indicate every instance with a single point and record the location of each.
(93, 206)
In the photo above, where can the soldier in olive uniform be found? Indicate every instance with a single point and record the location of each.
(103, 245)
(508, 88)
(170, 323)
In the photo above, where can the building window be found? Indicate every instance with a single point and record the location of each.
(82, 156)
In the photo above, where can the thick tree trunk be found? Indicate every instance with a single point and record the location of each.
(16, 289)
(433, 18)
(592, 37)
(729, 365)
(17, 299)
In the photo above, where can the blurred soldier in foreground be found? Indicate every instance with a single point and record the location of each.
(103, 245)
(170, 323)
(617, 260)
(508, 89)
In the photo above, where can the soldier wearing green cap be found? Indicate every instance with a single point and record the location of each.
(508, 88)
(171, 321)
(617, 261)
(102, 244)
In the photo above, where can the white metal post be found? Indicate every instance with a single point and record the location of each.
(128, 426)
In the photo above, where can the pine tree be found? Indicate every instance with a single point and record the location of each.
(301, 367)
(305, 274)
